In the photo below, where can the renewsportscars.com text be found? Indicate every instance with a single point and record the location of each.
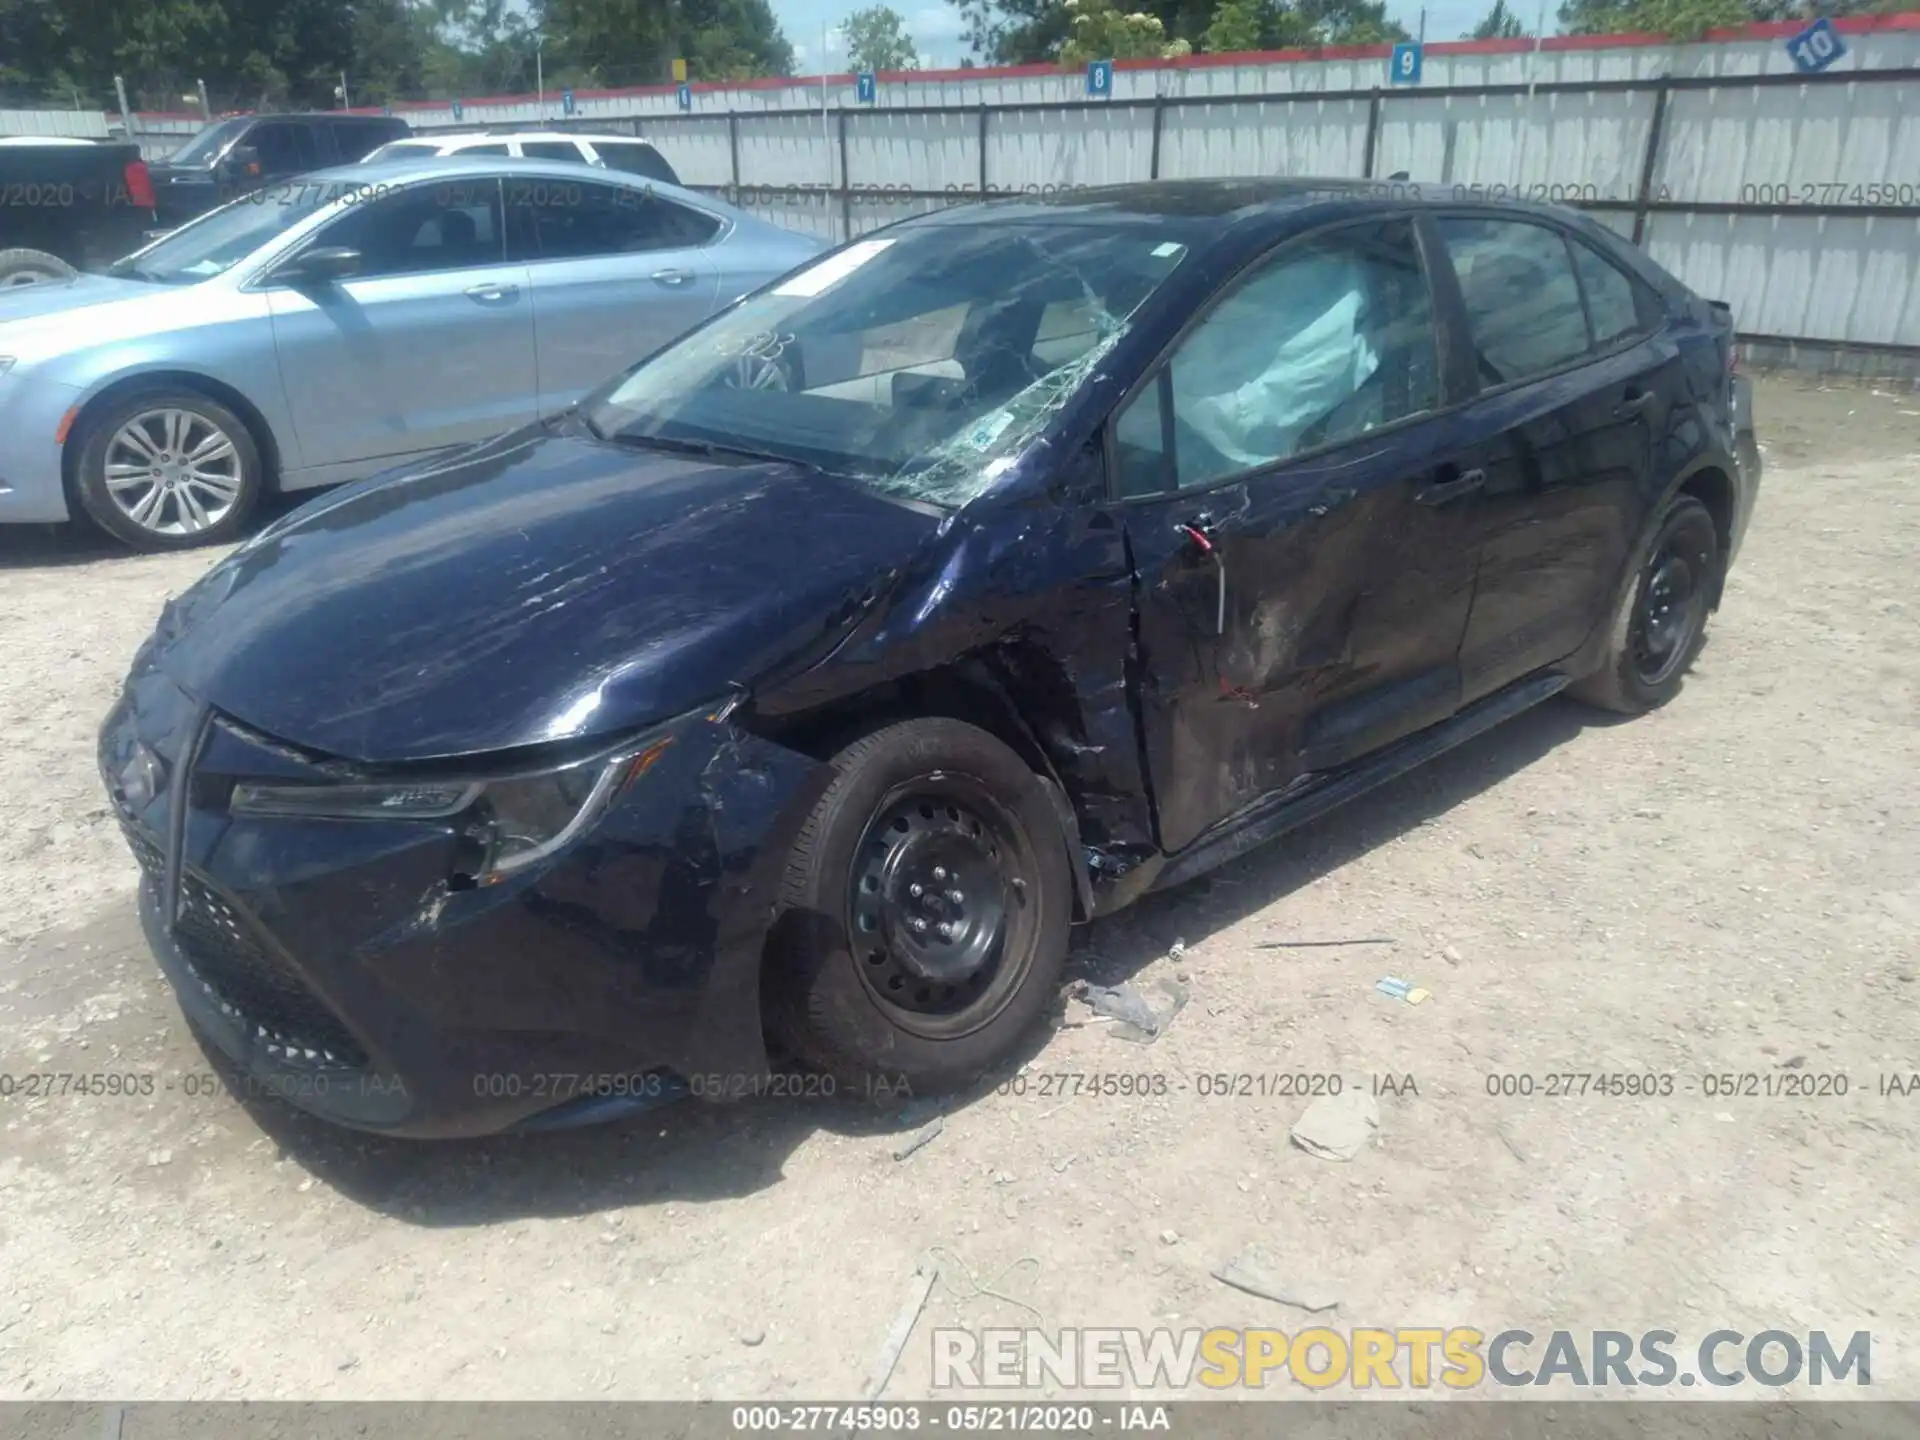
(1457, 1357)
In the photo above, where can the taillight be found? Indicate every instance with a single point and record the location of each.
(139, 185)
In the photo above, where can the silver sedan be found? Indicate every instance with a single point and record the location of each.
(346, 322)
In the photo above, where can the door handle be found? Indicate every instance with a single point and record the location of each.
(1200, 538)
(1445, 491)
(671, 277)
(1632, 403)
(492, 291)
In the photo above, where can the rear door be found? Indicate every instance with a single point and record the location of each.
(1575, 384)
(1303, 551)
(617, 271)
(430, 345)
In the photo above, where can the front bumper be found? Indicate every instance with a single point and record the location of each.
(31, 489)
(332, 963)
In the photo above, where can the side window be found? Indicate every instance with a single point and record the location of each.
(355, 142)
(498, 147)
(1612, 305)
(552, 150)
(1523, 302)
(1326, 340)
(636, 158)
(565, 220)
(283, 149)
(428, 227)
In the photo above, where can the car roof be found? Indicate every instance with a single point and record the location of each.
(1230, 199)
(478, 137)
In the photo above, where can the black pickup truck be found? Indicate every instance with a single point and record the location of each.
(244, 152)
(69, 204)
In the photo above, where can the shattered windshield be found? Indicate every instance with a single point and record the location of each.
(921, 362)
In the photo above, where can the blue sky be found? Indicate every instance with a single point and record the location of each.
(936, 30)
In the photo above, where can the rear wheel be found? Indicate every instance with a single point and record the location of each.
(1661, 622)
(32, 267)
(925, 909)
(168, 470)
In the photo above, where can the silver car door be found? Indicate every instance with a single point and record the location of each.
(617, 271)
(428, 345)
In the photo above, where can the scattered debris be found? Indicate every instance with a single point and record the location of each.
(1513, 1146)
(753, 1337)
(1402, 990)
(1169, 1237)
(1337, 1127)
(1123, 1003)
(1140, 1022)
(1176, 950)
(919, 1138)
(1793, 1062)
(1450, 955)
(346, 1362)
(924, 1274)
(1321, 944)
(1252, 1272)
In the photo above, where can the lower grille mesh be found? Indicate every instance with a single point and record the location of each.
(242, 971)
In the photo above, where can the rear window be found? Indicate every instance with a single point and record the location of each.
(551, 150)
(636, 157)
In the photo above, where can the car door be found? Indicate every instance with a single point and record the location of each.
(1574, 387)
(1302, 542)
(617, 271)
(430, 345)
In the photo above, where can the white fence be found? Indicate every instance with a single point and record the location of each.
(1796, 199)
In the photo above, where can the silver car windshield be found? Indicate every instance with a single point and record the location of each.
(221, 239)
(921, 362)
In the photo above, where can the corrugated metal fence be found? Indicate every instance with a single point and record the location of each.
(1794, 198)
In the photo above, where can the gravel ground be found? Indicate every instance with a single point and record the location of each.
(1729, 885)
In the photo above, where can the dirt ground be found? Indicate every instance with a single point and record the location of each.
(1729, 885)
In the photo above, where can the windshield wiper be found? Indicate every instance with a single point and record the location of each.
(705, 448)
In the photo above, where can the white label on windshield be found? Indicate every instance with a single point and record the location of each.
(982, 436)
(1171, 247)
(832, 271)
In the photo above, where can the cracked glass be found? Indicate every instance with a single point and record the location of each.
(921, 362)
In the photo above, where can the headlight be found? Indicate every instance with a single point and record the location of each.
(507, 822)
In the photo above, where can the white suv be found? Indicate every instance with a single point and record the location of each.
(610, 152)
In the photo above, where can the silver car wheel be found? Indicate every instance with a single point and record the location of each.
(173, 472)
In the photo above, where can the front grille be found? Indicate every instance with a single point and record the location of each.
(244, 974)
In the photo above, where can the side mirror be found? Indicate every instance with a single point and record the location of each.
(321, 265)
(241, 166)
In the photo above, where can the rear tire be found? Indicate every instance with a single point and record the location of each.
(1660, 622)
(19, 268)
(922, 924)
(136, 488)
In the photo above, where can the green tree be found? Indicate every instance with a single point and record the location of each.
(877, 39)
(1499, 23)
(1023, 31)
(635, 41)
(1235, 28)
(1099, 31)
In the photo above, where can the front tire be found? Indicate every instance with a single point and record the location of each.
(1660, 623)
(922, 924)
(168, 470)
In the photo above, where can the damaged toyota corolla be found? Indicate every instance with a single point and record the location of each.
(800, 688)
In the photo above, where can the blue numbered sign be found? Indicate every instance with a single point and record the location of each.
(1403, 67)
(1100, 78)
(566, 101)
(1815, 48)
(686, 97)
(866, 86)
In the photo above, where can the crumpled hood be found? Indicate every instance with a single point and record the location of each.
(539, 587)
(21, 303)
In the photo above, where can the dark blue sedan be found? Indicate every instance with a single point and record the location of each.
(810, 679)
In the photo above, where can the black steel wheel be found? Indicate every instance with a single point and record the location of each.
(1660, 622)
(924, 918)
